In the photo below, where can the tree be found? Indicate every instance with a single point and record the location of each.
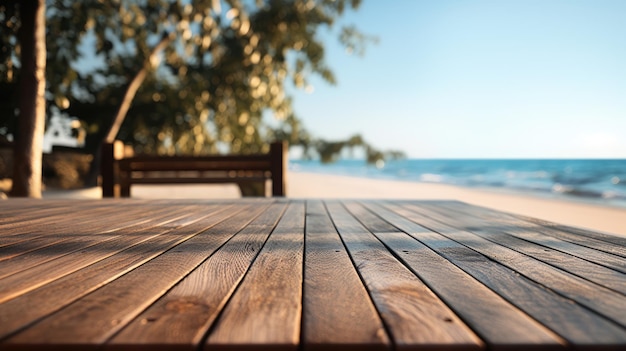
(28, 142)
(197, 76)
(226, 69)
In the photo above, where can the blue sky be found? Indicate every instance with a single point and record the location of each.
(480, 79)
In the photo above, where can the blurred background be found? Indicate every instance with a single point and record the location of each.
(340, 80)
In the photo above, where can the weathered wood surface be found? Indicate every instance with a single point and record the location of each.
(302, 275)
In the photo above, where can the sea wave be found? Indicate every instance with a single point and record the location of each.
(603, 181)
(431, 178)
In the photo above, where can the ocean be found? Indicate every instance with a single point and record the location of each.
(597, 181)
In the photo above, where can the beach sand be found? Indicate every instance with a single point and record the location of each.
(309, 185)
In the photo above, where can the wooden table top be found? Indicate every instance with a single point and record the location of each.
(302, 274)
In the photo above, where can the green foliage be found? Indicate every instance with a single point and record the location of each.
(223, 73)
(329, 151)
(9, 47)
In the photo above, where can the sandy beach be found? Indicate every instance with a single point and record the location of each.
(313, 185)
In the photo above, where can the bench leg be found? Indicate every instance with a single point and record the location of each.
(278, 154)
(125, 190)
(107, 169)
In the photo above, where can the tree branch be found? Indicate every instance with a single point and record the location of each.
(134, 85)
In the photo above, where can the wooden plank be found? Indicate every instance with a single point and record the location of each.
(265, 311)
(500, 324)
(132, 168)
(57, 220)
(33, 237)
(175, 164)
(79, 238)
(201, 160)
(28, 245)
(541, 247)
(30, 218)
(606, 243)
(61, 292)
(30, 221)
(28, 207)
(18, 216)
(78, 242)
(196, 180)
(334, 296)
(579, 234)
(610, 273)
(36, 276)
(415, 316)
(114, 305)
(606, 254)
(40, 229)
(516, 277)
(181, 318)
(578, 325)
(191, 174)
(8, 240)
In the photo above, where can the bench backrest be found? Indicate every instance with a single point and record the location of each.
(120, 168)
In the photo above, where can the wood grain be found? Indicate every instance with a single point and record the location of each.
(63, 291)
(25, 220)
(607, 243)
(575, 323)
(18, 216)
(334, 296)
(415, 316)
(600, 299)
(83, 250)
(603, 253)
(561, 254)
(112, 306)
(588, 238)
(79, 236)
(27, 231)
(265, 311)
(500, 324)
(180, 319)
(302, 275)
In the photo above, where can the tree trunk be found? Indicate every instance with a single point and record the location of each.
(32, 105)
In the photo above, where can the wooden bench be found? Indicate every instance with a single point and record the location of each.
(120, 169)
